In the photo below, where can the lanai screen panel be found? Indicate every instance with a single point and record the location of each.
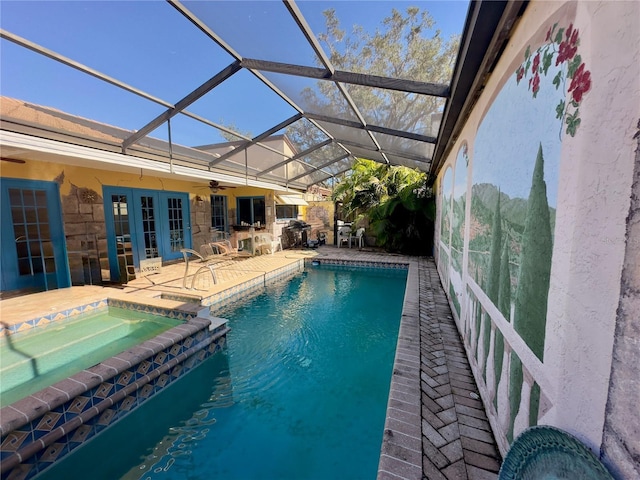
(243, 100)
(320, 97)
(406, 162)
(350, 134)
(256, 29)
(376, 11)
(326, 173)
(367, 154)
(392, 143)
(323, 155)
(304, 135)
(409, 112)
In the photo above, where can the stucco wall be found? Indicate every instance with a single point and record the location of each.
(548, 157)
(621, 440)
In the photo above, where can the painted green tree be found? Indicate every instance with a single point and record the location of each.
(478, 314)
(493, 280)
(504, 305)
(530, 316)
(515, 391)
(530, 313)
(504, 288)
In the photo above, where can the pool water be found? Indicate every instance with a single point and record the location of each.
(40, 357)
(300, 392)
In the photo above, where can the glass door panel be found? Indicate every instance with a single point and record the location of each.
(176, 224)
(125, 265)
(149, 234)
(30, 257)
(144, 224)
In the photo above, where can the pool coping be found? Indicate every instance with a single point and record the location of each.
(401, 451)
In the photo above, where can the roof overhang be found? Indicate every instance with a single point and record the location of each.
(290, 200)
(26, 147)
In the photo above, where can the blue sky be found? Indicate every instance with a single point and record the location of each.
(150, 46)
(508, 139)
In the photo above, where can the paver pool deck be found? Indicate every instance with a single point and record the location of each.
(436, 425)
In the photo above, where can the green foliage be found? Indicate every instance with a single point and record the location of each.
(530, 316)
(396, 201)
(498, 354)
(504, 289)
(573, 122)
(454, 298)
(493, 281)
(504, 305)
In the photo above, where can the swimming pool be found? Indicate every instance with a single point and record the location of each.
(301, 391)
(33, 360)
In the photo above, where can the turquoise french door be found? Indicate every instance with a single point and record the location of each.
(34, 254)
(144, 224)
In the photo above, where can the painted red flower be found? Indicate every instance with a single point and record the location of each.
(536, 83)
(580, 83)
(536, 63)
(569, 31)
(573, 41)
(548, 35)
(519, 74)
(566, 51)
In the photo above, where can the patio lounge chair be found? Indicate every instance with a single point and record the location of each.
(220, 248)
(210, 262)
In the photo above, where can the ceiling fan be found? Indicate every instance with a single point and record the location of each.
(214, 186)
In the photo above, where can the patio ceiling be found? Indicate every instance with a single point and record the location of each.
(334, 136)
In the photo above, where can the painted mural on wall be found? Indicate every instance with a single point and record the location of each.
(446, 193)
(458, 209)
(513, 200)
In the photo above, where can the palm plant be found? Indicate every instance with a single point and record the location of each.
(395, 201)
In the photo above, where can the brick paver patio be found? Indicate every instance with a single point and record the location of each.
(436, 424)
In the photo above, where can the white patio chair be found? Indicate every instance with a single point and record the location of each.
(343, 235)
(357, 238)
(266, 242)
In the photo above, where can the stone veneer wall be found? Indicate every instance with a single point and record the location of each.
(86, 235)
(200, 221)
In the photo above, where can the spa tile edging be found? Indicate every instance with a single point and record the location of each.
(176, 313)
(44, 427)
(43, 320)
